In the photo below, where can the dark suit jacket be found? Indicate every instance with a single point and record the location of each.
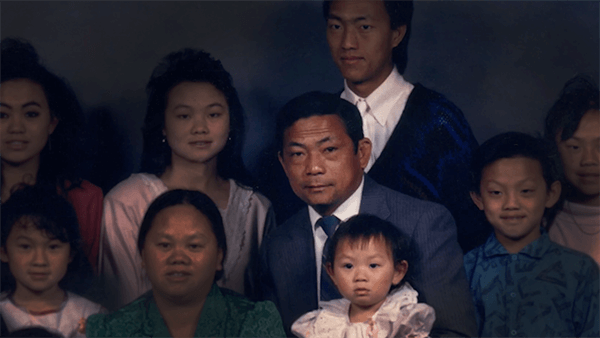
(288, 269)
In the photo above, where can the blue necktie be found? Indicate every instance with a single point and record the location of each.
(328, 289)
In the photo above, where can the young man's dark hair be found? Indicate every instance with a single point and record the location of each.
(318, 104)
(400, 13)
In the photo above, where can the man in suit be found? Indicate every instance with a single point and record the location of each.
(323, 153)
(422, 143)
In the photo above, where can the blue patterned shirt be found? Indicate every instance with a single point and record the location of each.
(545, 290)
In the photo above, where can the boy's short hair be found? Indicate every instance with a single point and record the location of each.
(516, 144)
(362, 228)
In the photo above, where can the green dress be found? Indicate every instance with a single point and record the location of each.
(225, 314)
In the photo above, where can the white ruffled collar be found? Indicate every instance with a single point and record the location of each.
(399, 312)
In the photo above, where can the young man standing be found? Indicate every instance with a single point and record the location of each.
(422, 143)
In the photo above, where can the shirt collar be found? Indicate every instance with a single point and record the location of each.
(349, 208)
(535, 249)
(214, 305)
(382, 101)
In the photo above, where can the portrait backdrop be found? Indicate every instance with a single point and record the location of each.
(502, 62)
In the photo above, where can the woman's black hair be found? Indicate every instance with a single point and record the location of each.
(578, 96)
(190, 65)
(362, 228)
(194, 198)
(42, 207)
(61, 157)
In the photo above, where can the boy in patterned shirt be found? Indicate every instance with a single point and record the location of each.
(522, 283)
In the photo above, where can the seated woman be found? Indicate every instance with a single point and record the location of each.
(193, 134)
(40, 121)
(182, 245)
(573, 123)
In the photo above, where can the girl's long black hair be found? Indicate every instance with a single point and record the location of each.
(60, 159)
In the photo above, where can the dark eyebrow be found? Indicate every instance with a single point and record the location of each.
(212, 105)
(31, 103)
(296, 144)
(192, 236)
(357, 19)
(24, 237)
(580, 139)
(320, 142)
(216, 104)
(323, 140)
(181, 106)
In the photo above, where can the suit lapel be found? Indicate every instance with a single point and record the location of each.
(299, 263)
(373, 200)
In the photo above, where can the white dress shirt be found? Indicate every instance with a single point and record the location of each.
(349, 208)
(385, 107)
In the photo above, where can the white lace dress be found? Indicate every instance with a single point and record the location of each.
(399, 316)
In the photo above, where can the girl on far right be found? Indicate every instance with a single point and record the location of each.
(573, 123)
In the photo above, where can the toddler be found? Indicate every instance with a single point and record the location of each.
(368, 261)
(42, 256)
(522, 283)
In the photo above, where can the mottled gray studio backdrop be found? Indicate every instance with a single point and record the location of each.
(502, 63)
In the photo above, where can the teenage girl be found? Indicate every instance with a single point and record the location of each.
(368, 261)
(42, 259)
(193, 134)
(573, 124)
(40, 120)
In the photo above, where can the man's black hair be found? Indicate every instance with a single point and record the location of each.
(319, 104)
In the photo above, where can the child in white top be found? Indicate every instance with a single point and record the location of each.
(41, 257)
(367, 259)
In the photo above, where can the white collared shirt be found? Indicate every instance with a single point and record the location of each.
(349, 208)
(386, 104)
